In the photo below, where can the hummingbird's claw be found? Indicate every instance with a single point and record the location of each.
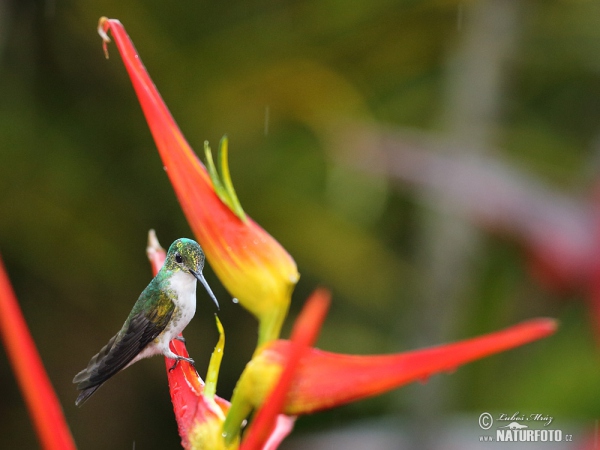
(180, 338)
(181, 358)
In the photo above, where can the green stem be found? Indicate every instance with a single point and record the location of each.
(269, 326)
(238, 412)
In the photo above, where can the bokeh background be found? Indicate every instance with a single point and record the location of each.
(81, 184)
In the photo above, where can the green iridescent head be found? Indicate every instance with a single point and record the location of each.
(187, 256)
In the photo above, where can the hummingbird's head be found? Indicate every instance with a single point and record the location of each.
(187, 256)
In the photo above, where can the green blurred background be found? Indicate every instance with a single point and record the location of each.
(81, 184)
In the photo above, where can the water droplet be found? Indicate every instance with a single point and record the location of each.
(235, 300)
(224, 434)
(165, 168)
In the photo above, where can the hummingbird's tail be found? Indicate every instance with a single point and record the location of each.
(85, 394)
(94, 375)
(123, 349)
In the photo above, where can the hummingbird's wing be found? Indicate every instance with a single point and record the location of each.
(122, 348)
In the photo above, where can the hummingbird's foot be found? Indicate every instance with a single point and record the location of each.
(181, 358)
(180, 338)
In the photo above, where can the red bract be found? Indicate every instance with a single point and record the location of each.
(199, 419)
(327, 379)
(44, 408)
(324, 380)
(249, 262)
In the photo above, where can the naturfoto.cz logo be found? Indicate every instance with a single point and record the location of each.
(516, 428)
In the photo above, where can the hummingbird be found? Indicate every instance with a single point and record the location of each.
(160, 314)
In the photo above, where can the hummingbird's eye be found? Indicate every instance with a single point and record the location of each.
(178, 258)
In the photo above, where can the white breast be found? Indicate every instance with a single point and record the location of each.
(184, 286)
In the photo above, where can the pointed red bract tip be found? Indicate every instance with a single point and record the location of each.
(304, 334)
(324, 380)
(44, 407)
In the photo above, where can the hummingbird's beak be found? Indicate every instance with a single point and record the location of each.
(202, 280)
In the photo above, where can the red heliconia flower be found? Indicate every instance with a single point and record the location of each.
(251, 264)
(288, 377)
(325, 380)
(44, 407)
